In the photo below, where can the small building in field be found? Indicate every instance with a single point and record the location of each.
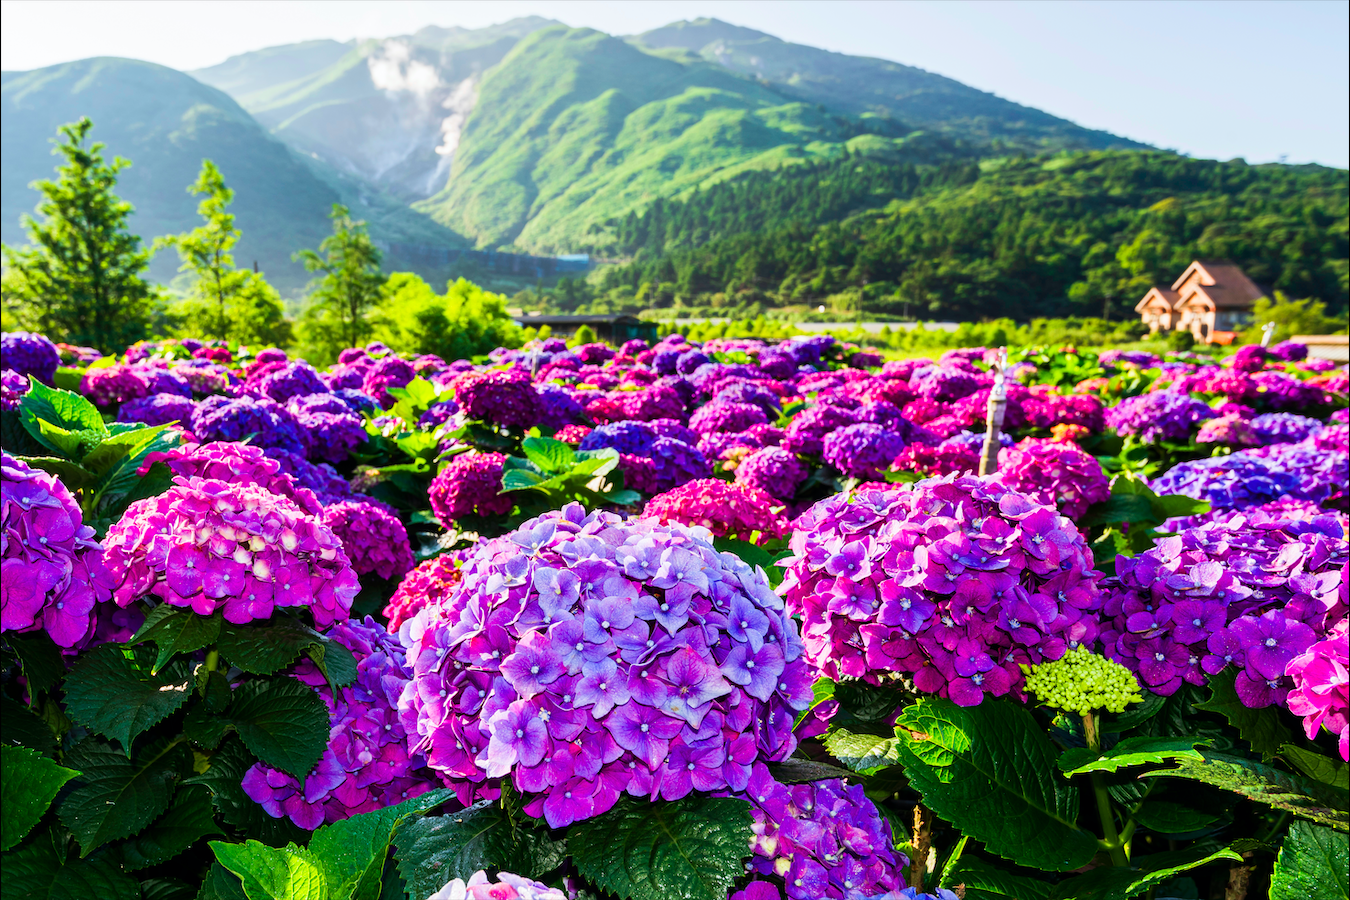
(614, 329)
(1212, 299)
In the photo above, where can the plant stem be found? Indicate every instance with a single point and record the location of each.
(212, 660)
(1114, 844)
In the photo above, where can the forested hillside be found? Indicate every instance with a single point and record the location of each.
(1065, 234)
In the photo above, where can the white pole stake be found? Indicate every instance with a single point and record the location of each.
(1267, 332)
(998, 405)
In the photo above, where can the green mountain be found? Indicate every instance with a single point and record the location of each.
(863, 86)
(386, 111)
(166, 122)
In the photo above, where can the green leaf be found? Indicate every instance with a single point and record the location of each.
(990, 771)
(1261, 728)
(264, 649)
(41, 871)
(112, 691)
(821, 691)
(1313, 862)
(804, 771)
(65, 409)
(521, 480)
(283, 722)
(41, 659)
(68, 378)
(119, 446)
(270, 873)
(548, 454)
(1168, 506)
(985, 882)
(352, 852)
(224, 776)
(1119, 508)
(20, 728)
(335, 661)
(176, 629)
(1166, 817)
(222, 884)
(167, 889)
(624, 497)
(30, 783)
(1326, 769)
(432, 850)
(1134, 751)
(116, 797)
(190, 819)
(691, 849)
(863, 753)
(1144, 873)
(750, 554)
(1136, 715)
(73, 475)
(1314, 800)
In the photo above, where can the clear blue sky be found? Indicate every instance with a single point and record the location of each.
(1217, 79)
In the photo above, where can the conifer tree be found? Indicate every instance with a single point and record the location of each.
(350, 285)
(80, 280)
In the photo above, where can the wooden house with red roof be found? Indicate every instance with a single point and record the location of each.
(1212, 299)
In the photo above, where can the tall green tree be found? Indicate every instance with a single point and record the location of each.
(351, 284)
(80, 280)
(225, 302)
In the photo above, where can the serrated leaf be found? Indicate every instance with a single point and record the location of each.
(68, 378)
(1143, 873)
(1134, 751)
(224, 776)
(270, 873)
(985, 882)
(112, 691)
(190, 819)
(1313, 862)
(990, 770)
(283, 723)
(20, 728)
(40, 871)
(1261, 728)
(691, 849)
(176, 629)
(1136, 715)
(335, 661)
(30, 783)
(521, 480)
(750, 554)
(65, 409)
(264, 649)
(167, 889)
(120, 445)
(548, 454)
(1326, 769)
(352, 852)
(222, 884)
(116, 797)
(41, 659)
(1304, 797)
(1166, 817)
(1119, 508)
(863, 753)
(432, 850)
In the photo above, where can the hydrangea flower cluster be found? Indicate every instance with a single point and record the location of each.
(1321, 691)
(1080, 682)
(824, 839)
(262, 421)
(292, 379)
(110, 385)
(954, 581)
(1250, 594)
(429, 584)
(54, 575)
(470, 484)
(1229, 482)
(1230, 430)
(503, 397)
(1158, 416)
(506, 887)
(734, 510)
(366, 765)
(1289, 351)
(585, 655)
(334, 429)
(236, 464)
(157, 409)
(29, 354)
(772, 470)
(12, 388)
(389, 372)
(666, 464)
(207, 544)
(372, 536)
(947, 458)
(1054, 473)
(863, 450)
(1284, 428)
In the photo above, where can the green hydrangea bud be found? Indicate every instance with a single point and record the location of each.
(1081, 682)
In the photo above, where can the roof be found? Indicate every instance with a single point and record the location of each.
(1223, 282)
(548, 319)
(1166, 295)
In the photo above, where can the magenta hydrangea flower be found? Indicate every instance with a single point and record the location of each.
(470, 484)
(772, 470)
(389, 372)
(823, 839)
(236, 463)
(1055, 473)
(943, 384)
(863, 450)
(661, 401)
(1158, 416)
(948, 458)
(54, 575)
(1230, 430)
(506, 887)
(12, 388)
(29, 353)
(1321, 691)
(366, 765)
(372, 536)
(207, 544)
(726, 416)
(110, 385)
(733, 510)
(954, 581)
(429, 584)
(1249, 593)
(504, 397)
(585, 656)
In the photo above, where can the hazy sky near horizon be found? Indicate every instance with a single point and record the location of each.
(1215, 79)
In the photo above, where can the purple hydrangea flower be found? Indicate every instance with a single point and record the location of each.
(157, 409)
(29, 354)
(863, 450)
(1158, 416)
(262, 421)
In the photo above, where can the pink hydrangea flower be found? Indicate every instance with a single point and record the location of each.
(1321, 692)
(373, 537)
(733, 510)
(1057, 473)
(470, 484)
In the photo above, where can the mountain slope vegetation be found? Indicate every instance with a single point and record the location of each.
(1069, 233)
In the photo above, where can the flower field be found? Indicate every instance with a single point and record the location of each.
(736, 621)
